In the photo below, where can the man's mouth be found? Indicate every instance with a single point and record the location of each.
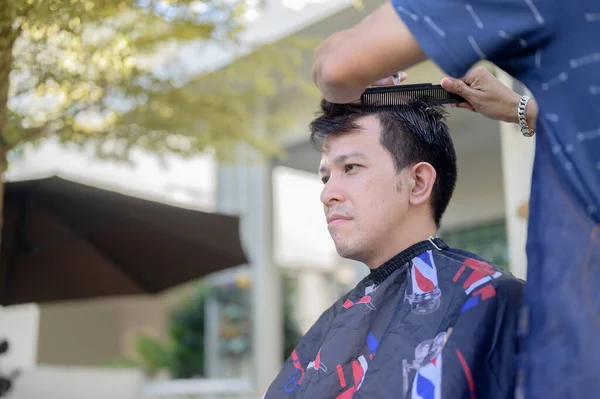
(334, 220)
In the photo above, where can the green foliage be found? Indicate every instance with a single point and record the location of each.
(291, 332)
(152, 356)
(155, 354)
(85, 71)
(186, 331)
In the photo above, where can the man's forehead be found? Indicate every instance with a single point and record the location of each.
(342, 143)
(338, 158)
(364, 124)
(338, 147)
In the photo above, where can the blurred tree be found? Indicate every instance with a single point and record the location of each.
(186, 332)
(94, 72)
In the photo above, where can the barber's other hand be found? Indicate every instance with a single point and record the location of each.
(389, 81)
(489, 96)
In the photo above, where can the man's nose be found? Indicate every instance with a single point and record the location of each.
(332, 193)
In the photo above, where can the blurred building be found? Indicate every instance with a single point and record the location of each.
(282, 226)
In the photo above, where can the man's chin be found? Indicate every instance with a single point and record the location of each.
(346, 251)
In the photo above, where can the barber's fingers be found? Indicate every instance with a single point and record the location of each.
(466, 105)
(401, 76)
(459, 87)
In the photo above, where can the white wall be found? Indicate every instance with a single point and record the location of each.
(301, 235)
(517, 155)
(91, 333)
(78, 383)
(76, 334)
(19, 325)
(479, 193)
(315, 293)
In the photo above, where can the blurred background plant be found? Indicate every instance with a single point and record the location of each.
(182, 353)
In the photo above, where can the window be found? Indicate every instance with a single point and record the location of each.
(487, 240)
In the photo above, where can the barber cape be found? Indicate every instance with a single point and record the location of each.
(430, 323)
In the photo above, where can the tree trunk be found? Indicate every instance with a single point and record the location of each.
(7, 39)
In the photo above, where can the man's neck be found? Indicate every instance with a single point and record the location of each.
(404, 238)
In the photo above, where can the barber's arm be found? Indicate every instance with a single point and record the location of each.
(403, 33)
(349, 61)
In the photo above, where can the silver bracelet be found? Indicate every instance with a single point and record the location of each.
(521, 110)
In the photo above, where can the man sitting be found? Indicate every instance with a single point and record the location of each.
(428, 321)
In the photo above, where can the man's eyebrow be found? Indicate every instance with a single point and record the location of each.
(340, 159)
(323, 170)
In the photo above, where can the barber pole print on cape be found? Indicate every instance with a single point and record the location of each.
(426, 294)
(478, 283)
(428, 381)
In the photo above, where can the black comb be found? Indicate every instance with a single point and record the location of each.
(376, 98)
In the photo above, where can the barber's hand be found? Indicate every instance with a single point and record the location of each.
(489, 96)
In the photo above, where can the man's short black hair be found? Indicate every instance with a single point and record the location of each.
(412, 133)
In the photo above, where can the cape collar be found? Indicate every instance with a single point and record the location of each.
(400, 260)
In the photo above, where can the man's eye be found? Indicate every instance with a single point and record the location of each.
(324, 179)
(349, 167)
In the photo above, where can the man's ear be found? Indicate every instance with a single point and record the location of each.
(423, 175)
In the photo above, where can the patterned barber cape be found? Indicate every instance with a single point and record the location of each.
(430, 323)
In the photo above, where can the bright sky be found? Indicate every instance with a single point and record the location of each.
(280, 18)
